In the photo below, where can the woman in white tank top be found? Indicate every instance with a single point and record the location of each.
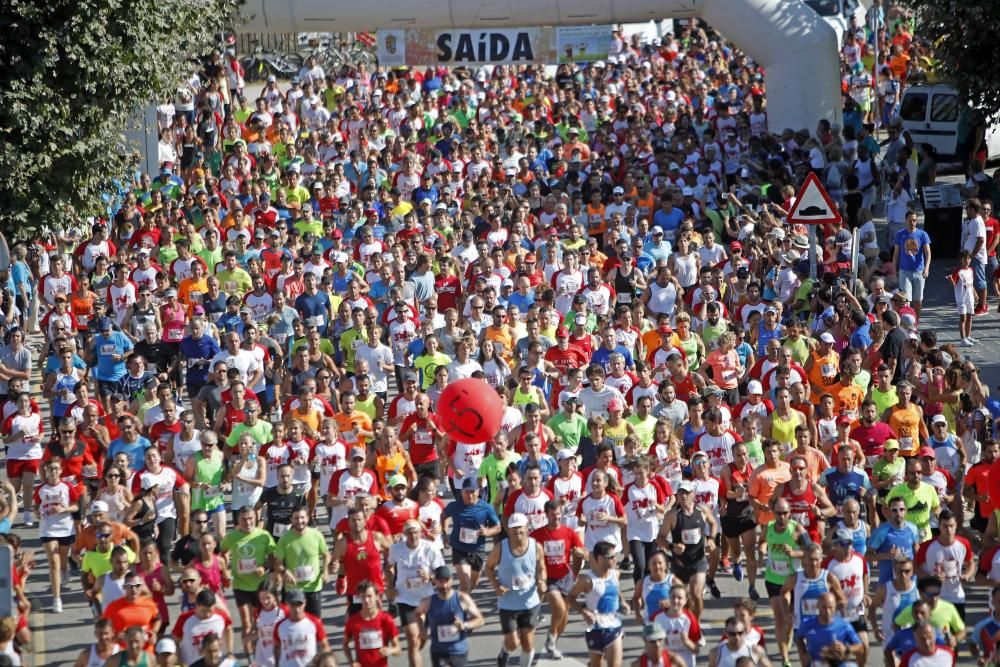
(685, 264)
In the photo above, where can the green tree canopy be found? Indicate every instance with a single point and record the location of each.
(73, 73)
(963, 36)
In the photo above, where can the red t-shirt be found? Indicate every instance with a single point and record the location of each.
(421, 442)
(369, 635)
(396, 514)
(558, 545)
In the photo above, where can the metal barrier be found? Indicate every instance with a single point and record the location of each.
(285, 42)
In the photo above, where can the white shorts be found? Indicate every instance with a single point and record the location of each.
(967, 306)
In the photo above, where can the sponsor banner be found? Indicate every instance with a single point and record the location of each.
(503, 46)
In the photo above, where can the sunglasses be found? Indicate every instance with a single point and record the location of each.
(62, 432)
(103, 536)
(188, 581)
(200, 522)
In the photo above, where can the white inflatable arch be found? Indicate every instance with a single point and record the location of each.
(796, 48)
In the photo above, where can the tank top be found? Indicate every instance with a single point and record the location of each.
(625, 287)
(662, 299)
(689, 530)
(685, 269)
(823, 372)
(94, 660)
(247, 495)
(690, 347)
(517, 575)
(521, 400)
(540, 432)
(739, 508)
(140, 318)
(764, 336)
(603, 600)
(62, 392)
(779, 564)
(783, 430)
(174, 320)
(387, 465)
(366, 406)
(801, 505)
(727, 657)
(502, 338)
(654, 592)
(161, 602)
(446, 639)
(906, 423)
(711, 332)
(123, 660)
(690, 435)
(145, 521)
(806, 595)
(113, 589)
(617, 435)
(362, 562)
(894, 601)
(685, 387)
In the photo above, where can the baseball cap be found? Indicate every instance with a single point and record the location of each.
(827, 337)
(409, 376)
(148, 482)
(166, 645)
(565, 455)
(517, 520)
(652, 632)
(656, 230)
(443, 572)
(614, 405)
(939, 419)
(618, 191)
(358, 453)
(199, 310)
(566, 397)
(470, 484)
(295, 596)
(665, 329)
(736, 245)
(754, 387)
(398, 480)
(891, 444)
(562, 332)
(927, 451)
(99, 506)
(843, 537)
(685, 487)
(844, 419)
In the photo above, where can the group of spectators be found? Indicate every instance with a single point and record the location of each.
(241, 366)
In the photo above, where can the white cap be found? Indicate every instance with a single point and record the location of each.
(687, 486)
(517, 520)
(939, 419)
(827, 337)
(754, 387)
(687, 192)
(166, 645)
(565, 454)
(341, 258)
(618, 191)
(99, 506)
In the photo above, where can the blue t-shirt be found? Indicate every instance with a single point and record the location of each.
(887, 536)
(602, 357)
(817, 636)
(669, 222)
(470, 517)
(841, 486)
(199, 349)
(547, 466)
(136, 451)
(108, 369)
(910, 246)
(903, 641)
(313, 309)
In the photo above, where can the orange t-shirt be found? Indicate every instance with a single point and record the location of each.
(346, 424)
(124, 614)
(763, 482)
(816, 461)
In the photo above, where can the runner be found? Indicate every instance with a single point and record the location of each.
(688, 534)
(602, 601)
(300, 636)
(301, 561)
(410, 566)
(564, 552)
(451, 615)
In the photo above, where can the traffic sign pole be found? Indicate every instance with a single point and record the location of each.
(812, 251)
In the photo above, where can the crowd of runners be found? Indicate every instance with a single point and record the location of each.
(236, 456)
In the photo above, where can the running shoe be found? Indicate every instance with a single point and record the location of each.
(738, 572)
(754, 595)
(57, 606)
(713, 589)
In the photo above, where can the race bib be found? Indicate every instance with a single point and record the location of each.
(906, 443)
(89, 470)
(801, 518)
(674, 641)
(414, 583)
(809, 607)
(950, 569)
(316, 321)
(108, 349)
(370, 640)
(691, 536)
(468, 536)
(230, 286)
(855, 612)
(779, 567)
(624, 298)
(174, 335)
(871, 461)
(555, 549)
(280, 529)
(447, 634)
(246, 566)
(304, 573)
(522, 582)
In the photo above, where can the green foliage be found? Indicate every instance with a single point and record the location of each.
(963, 34)
(72, 75)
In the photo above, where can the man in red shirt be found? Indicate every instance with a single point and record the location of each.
(564, 553)
(424, 439)
(400, 509)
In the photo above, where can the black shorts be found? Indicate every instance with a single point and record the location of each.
(735, 526)
(773, 590)
(511, 620)
(429, 469)
(446, 660)
(960, 608)
(246, 598)
(860, 625)
(685, 573)
(406, 614)
(64, 541)
(474, 559)
(978, 523)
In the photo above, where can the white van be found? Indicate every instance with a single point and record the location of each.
(929, 112)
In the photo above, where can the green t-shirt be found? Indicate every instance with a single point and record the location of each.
(780, 565)
(249, 551)
(212, 258)
(755, 453)
(862, 379)
(944, 617)
(167, 255)
(884, 400)
(569, 429)
(208, 470)
(427, 365)
(312, 226)
(261, 432)
(919, 504)
(798, 347)
(644, 429)
(98, 564)
(883, 470)
(303, 557)
(494, 471)
(235, 282)
(350, 340)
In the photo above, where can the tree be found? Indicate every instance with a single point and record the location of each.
(962, 33)
(74, 73)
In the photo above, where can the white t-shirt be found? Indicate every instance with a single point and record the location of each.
(47, 498)
(411, 587)
(973, 229)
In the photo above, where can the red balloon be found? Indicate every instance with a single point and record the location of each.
(470, 411)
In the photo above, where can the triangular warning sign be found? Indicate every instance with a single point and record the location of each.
(813, 205)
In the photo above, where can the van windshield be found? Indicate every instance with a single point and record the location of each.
(825, 7)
